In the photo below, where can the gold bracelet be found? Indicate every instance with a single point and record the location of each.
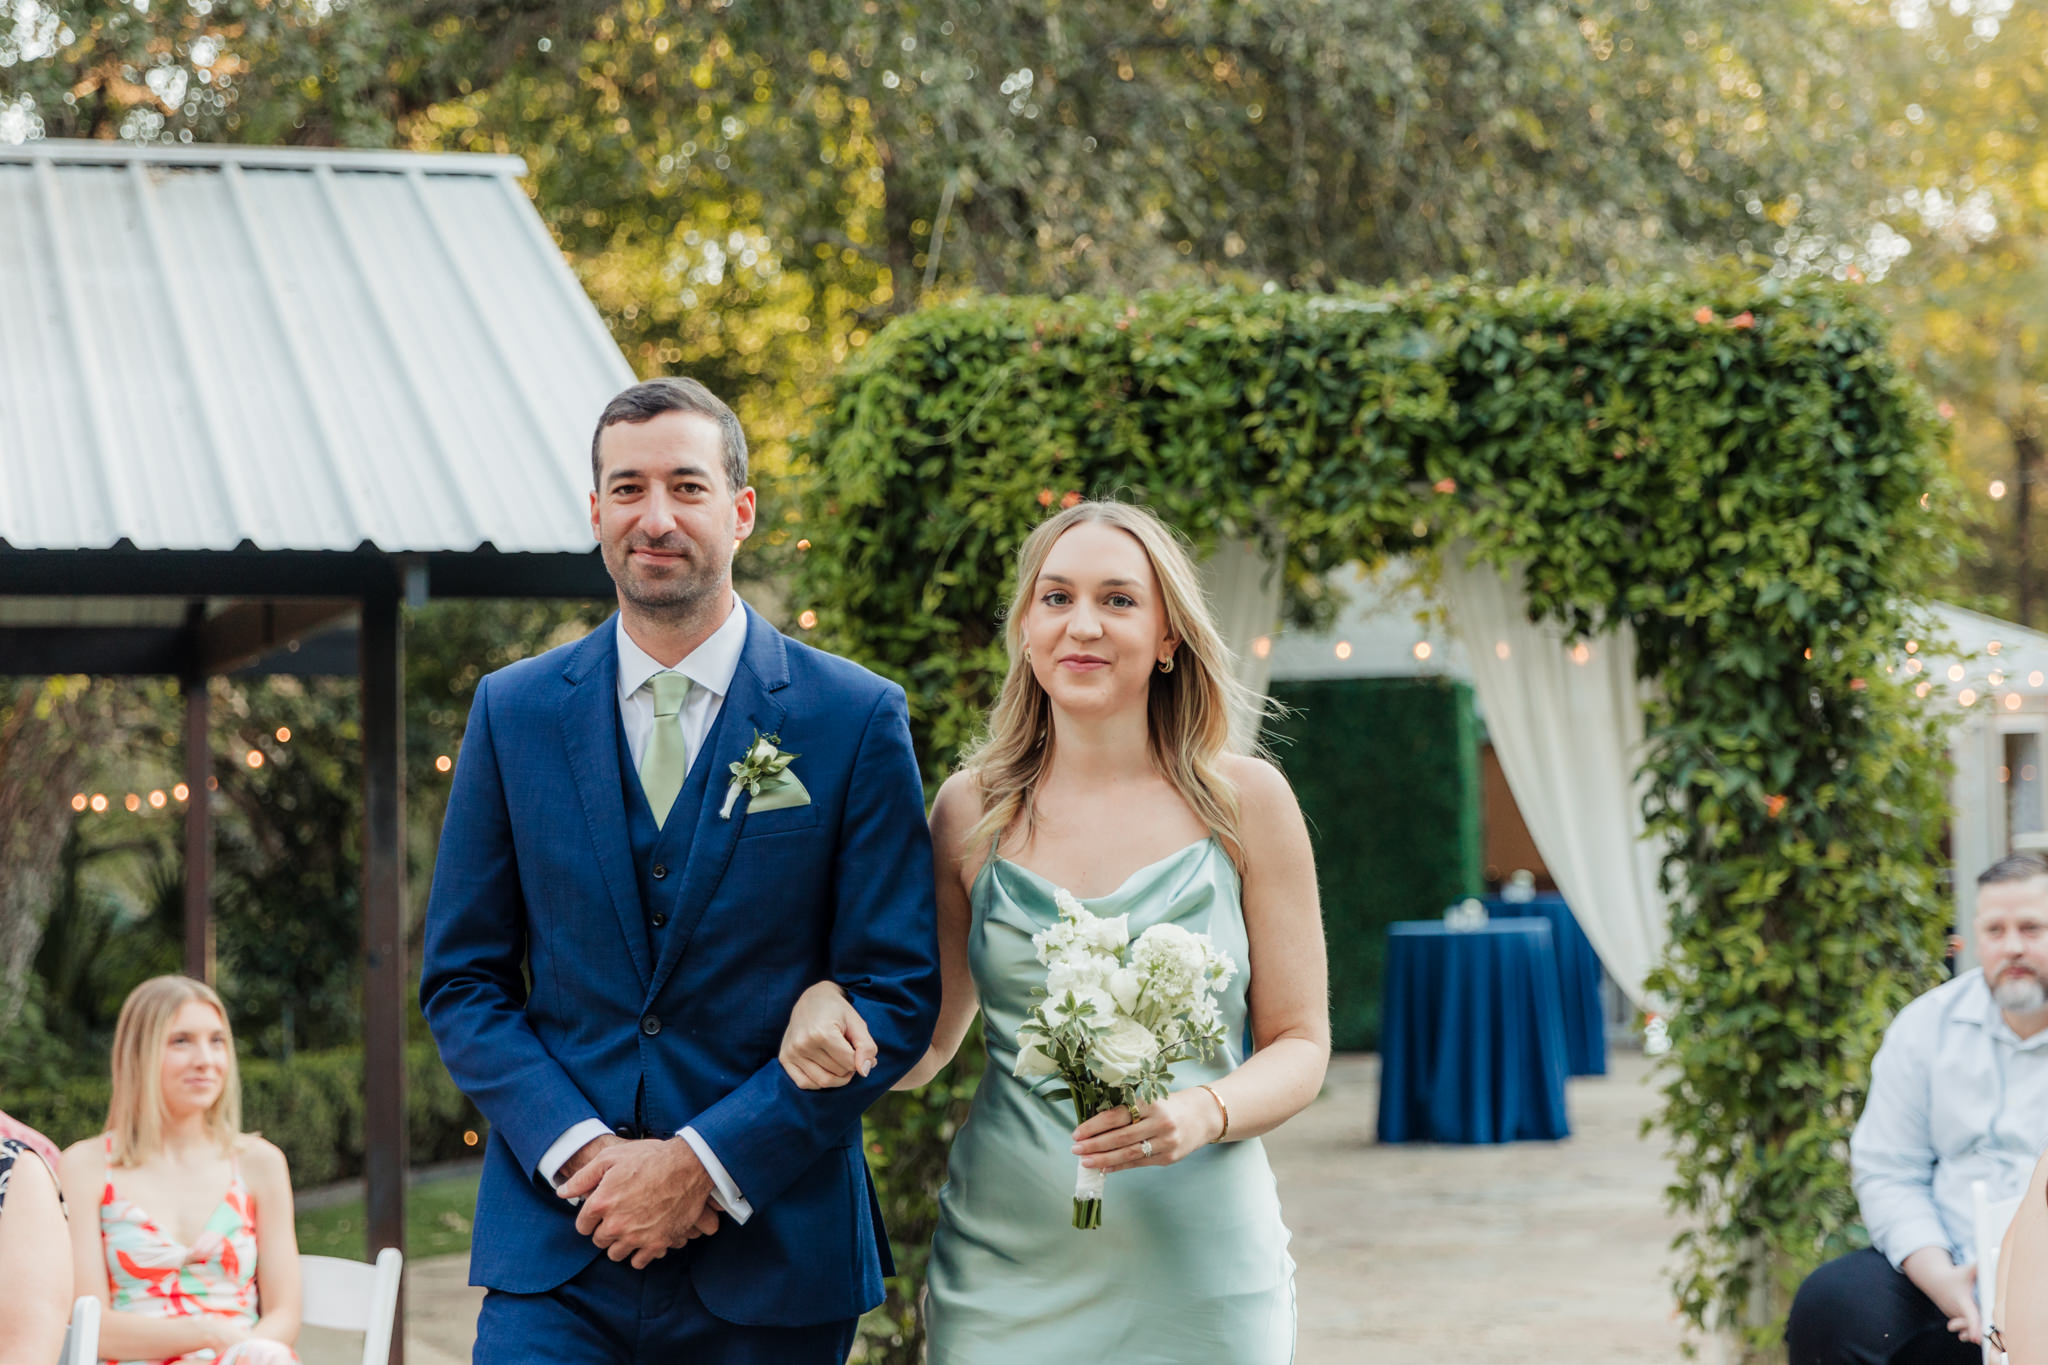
(1226, 1114)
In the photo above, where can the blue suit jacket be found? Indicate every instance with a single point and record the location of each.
(540, 985)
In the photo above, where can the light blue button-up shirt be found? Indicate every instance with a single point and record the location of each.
(1955, 1097)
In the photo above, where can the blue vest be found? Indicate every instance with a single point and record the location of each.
(659, 851)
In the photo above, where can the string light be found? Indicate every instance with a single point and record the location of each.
(803, 544)
(254, 758)
(284, 734)
(78, 801)
(2004, 773)
(1967, 697)
(132, 802)
(1343, 649)
(1923, 689)
(1262, 646)
(1422, 649)
(1996, 677)
(2012, 701)
(156, 800)
(1997, 489)
(808, 620)
(1955, 672)
(99, 803)
(1501, 650)
(1913, 665)
(1582, 653)
(1912, 646)
(180, 792)
(1993, 647)
(2035, 678)
(443, 763)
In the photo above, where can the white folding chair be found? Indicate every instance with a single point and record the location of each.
(82, 1342)
(354, 1297)
(1989, 1218)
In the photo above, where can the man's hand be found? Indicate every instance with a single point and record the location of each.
(579, 1158)
(1952, 1287)
(642, 1198)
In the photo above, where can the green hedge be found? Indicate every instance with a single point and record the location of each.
(311, 1107)
(1387, 772)
(1737, 469)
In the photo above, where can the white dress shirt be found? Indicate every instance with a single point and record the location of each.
(709, 667)
(1955, 1096)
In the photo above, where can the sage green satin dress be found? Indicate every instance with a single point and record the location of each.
(1190, 1266)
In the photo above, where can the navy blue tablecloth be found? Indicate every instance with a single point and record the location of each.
(1578, 979)
(1472, 1035)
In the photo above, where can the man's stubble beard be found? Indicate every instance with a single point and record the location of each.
(681, 598)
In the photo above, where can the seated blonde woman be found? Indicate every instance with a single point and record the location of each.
(35, 1278)
(193, 1252)
(2020, 1312)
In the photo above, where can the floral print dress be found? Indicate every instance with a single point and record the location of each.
(154, 1274)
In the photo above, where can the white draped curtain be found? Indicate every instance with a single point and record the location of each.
(1243, 587)
(1566, 720)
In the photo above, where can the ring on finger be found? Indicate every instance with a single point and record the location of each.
(1145, 1147)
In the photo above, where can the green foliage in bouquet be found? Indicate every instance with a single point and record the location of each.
(1738, 470)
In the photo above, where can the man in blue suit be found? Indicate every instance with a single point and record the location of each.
(621, 922)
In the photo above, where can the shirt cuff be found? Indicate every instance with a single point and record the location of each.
(1900, 1242)
(567, 1145)
(729, 1198)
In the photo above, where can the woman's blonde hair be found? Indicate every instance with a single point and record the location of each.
(1192, 712)
(135, 1114)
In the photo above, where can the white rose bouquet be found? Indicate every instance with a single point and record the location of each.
(1115, 1016)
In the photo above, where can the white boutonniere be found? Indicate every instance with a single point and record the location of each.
(763, 763)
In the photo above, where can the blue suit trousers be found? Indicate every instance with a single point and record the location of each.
(612, 1314)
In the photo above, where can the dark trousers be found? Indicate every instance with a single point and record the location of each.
(1857, 1310)
(612, 1314)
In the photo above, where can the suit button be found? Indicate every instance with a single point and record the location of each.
(624, 1130)
(660, 871)
(650, 1026)
(659, 919)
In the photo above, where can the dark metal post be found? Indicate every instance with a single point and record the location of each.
(198, 833)
(385, 977)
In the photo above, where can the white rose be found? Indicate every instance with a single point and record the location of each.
(1107, 935)
(1033, 1062)
(1069, 907)
(1118, 1055)
(1077, 973)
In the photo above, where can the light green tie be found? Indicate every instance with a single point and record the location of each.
(667, 760)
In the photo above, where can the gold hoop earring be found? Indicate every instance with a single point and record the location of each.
(1166, 664)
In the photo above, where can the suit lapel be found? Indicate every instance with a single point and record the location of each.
(750, 707)
(589, 718)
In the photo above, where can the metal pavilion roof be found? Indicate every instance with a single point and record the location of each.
(205, 348)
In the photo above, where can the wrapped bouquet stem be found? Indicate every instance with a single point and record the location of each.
(1114, 1016)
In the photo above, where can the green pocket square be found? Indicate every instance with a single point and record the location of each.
(781, 794)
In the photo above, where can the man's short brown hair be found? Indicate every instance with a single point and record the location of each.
(651, 398)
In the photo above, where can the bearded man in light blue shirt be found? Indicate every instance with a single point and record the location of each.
(1958, 1094)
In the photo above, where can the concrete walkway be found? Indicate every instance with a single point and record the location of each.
(1540, 1253)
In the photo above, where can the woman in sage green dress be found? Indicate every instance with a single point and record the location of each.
(1108, 772)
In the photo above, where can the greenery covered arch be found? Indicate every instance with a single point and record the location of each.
(1739, 472)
